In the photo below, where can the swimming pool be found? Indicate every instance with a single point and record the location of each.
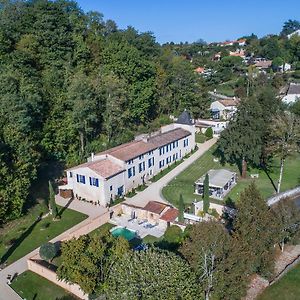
(124, 232)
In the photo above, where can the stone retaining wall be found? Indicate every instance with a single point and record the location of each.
(51, 276)
(288, 194)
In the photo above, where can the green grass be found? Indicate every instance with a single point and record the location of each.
(102, 229)
(32, 286)
(286, 288)
(27, 233)
(184, 182)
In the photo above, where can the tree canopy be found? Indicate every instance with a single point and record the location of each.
(72, 83)
(152, 274)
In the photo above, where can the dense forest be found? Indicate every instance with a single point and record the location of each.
(72, 83)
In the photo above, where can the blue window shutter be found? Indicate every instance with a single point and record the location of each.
(97, 182)
(77, 177)
(83, 179)
(91, 183)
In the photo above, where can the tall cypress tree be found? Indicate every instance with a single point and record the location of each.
(206, 194)
(256, 231)
(52, 204)
(181, 209)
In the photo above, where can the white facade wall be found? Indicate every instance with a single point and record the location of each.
(138, 177)
(110, 188)
(85, 190)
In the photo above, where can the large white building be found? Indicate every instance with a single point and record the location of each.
(118, 170)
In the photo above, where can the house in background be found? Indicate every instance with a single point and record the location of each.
(199, 70)
(116, 171)
(293, 93)
(220, 183)
(224, 109)
(263, 65)
(216, 125)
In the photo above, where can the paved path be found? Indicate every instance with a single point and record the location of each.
(153, 192)
(20, 266)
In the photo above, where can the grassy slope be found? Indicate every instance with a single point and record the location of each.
(32, 286)
(287, 287)
(28, 233)
(184, 183)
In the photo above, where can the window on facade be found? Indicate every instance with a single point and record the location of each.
(71, 174)
(111, 188)
(130, 162)
(141, 156)
(185, 142)
(80, 178)
(129, 172)
(94, 181)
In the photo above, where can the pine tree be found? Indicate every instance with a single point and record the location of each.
(52, 204)
(181, 209)
(255, 229)
(242, 141)
(206, 194)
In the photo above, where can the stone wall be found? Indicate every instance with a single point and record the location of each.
(288, 194)
(51, 276)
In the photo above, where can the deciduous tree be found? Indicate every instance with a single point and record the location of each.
(151, 274)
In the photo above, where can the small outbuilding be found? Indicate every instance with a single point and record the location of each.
(220, 183)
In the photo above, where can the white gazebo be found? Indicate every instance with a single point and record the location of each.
(220, 183)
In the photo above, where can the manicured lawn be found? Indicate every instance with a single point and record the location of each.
(184, 183)
(100, 230)
(27, 233)
(287, 288)
(32, 286)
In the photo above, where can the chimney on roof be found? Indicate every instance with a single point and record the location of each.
(92, 156)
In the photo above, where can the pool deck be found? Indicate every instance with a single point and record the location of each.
(126, 222)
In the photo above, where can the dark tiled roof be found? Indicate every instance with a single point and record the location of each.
(170, 215)
(168, 137)
(155, 207)
(184, 119)
(294, 89)
(133, 149)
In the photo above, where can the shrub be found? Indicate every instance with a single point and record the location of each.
(173, 235)
(48, 251)
(209, 133)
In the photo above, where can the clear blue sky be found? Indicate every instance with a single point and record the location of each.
(212, 20)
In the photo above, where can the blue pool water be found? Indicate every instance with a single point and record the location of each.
(125, 233)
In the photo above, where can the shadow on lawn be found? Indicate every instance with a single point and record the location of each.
(267, 171)
(64, 208)
(19, 241)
